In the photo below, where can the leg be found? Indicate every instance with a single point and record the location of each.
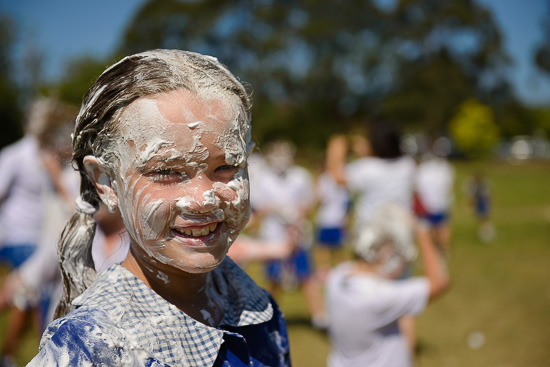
(311, 288)
(15, 328)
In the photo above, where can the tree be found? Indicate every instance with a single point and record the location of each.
(542, 53)
(10, 110)
(324, 64)
(81, 74)
(473, 129)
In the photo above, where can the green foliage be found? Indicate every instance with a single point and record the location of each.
(344, 60)
(542, 53)
(10, 110)
(514, 119)
(80, 75)
(541, 117)
(474, 130)
(430, 94)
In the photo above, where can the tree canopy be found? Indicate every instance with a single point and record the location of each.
(316, 68)
(9, 92)
(321, 66)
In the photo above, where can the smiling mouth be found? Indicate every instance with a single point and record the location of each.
(196, 232)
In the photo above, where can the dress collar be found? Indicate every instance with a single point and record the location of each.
(161, 329)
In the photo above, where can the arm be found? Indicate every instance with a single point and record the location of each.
(336, 158)
(246, 249)
(7, 167)
(434, 265)
(82, 341)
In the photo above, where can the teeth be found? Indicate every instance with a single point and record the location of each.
(199, 232)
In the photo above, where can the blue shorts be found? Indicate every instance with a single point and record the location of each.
(482, 208)
(15, 255)
(299, 263)
(331, 237)
(436, 219)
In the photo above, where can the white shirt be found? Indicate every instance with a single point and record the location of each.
(379, 182)
(363, 310)
(334, 202)
(434, 184)
(22, 181)
(284, 197)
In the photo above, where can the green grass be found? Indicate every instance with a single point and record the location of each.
(500, 289)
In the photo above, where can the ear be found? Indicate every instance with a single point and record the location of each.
(101, 178)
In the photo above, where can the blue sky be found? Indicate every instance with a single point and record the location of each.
(63, 29)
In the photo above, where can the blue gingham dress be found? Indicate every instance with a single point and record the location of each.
(120, 321)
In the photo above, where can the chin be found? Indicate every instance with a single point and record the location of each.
(199, 263)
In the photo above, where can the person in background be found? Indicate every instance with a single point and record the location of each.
(282, 201)
(380, 175)
(366, 298)
(25, 181)
(331, 219)
(434, 187)
(39, 275)
(479, 195)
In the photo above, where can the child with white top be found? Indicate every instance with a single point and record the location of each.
(331, 220)
(434, 187)
(365, 299)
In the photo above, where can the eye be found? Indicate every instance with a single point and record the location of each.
(226, 167)
(227, 171)
(166, 175)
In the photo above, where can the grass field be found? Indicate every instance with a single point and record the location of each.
(497, 312)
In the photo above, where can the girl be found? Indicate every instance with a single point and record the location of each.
(163, 136)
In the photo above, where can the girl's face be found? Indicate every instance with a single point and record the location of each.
(182, 183)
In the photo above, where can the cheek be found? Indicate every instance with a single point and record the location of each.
(145, 213)
(155, 216)
(235, 198)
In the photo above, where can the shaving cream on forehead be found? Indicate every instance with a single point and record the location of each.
(226, 121)
(150, 134)
(234, 135)
(234, 142)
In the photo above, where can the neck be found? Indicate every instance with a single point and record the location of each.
(194, 294)
(361, 266)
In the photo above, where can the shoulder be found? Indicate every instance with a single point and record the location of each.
(407, 162)
(341, 275)
(300, 173)
(84, 336)
(22, 147)
(112, 290)
(236, 281)
(359, 168)
(248, 303)
(360, 163)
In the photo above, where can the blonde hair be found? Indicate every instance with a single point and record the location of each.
(96, 130)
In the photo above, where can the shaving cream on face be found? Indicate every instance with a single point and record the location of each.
(182, 169)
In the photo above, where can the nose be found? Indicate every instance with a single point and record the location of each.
(200, 197)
